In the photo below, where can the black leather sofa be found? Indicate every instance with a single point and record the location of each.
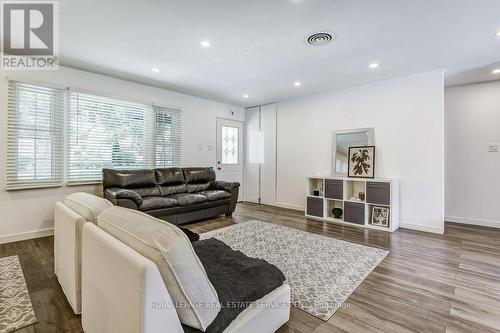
(176, 195)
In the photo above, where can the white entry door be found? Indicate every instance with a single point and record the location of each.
(230, 151)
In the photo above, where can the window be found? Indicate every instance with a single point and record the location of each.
(167, 139)
(99, 132)
(106, 133)
(34, 136)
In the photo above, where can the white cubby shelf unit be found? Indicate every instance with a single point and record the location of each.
(324, 193)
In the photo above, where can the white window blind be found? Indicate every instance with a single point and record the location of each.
(106, 133)
(35, 117)
(167, 138)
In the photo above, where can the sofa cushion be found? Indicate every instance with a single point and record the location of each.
(147, 191)
(198, 175)
(198, 179)
(169, 248)
(169, 176)
(152, 203)
(213, 195)
(173, 189)
(128, 178)
(187, 199)
(87, 205)
(170, 181)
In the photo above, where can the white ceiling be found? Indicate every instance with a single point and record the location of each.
(257, 47)
(479, 72)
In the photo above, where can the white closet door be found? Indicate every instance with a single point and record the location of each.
(252, 133)
(268, 168)
(260, 161)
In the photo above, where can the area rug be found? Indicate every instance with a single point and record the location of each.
(16, 310)
(321, 271)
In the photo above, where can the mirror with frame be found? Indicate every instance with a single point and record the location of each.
(344, 139)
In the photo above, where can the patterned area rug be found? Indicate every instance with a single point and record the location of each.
(321, 271)
(16, 310)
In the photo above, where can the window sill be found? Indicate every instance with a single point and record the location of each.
(32, 187)
(84, 183)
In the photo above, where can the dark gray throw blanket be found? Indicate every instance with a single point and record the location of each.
(193, 236)
(238, 279)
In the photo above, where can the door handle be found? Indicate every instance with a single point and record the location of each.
(219, 168)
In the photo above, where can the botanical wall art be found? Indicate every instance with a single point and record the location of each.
(361, 162)
(380, 216)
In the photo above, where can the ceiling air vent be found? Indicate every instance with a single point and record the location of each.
(321, 38)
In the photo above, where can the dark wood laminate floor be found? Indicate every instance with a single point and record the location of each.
(428, 283)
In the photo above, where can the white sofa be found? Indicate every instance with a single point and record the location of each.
(69, 218)
(123, 291)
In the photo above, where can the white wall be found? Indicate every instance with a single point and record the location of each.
(472, 121)
(30, 213)
(407, 115)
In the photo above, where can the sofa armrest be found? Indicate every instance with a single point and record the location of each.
(68, 226)
(225, 186)
(231, 187)
(136, 302)
(121, 193)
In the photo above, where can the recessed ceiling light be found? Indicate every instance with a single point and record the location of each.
(297, 84)
(374, 65)
(245, 96)
(155, 70)
(205, 43)
(498, 33)
(495, 71)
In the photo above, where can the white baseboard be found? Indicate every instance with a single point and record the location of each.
(289, 206)
(467, 220)
(421, 227)
(26, 235)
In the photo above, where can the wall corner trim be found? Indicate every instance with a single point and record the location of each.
(26, 235)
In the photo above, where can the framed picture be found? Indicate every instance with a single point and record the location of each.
(361, 162)
(380, 216)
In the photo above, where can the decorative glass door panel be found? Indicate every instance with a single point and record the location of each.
(230, 145)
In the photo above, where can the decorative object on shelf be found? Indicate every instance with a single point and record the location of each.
(342, 140)
(316, 193)
(380, 216)
(337, 213)
(361, 162)
(361, 196)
